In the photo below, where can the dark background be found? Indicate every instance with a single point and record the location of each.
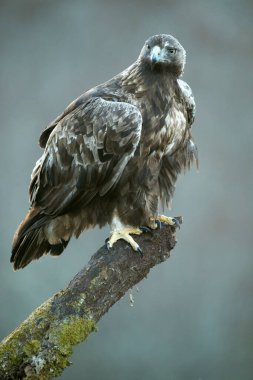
(192, 317)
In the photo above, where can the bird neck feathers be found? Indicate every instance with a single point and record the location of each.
(139, 78)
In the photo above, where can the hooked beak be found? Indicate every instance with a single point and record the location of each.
(155, 55)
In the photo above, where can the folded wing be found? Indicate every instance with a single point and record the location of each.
(85, 155)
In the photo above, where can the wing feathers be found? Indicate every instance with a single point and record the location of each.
(85, 155)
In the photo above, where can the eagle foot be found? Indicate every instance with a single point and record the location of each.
(124, 234)
(167, 220)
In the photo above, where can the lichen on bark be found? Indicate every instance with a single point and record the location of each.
(40, 348)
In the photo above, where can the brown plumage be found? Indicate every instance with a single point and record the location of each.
(112, 154)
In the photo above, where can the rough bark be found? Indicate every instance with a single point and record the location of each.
(41, 346)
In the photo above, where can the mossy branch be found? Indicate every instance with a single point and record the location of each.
(41, 346)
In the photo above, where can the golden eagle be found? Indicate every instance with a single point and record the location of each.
(111, 156)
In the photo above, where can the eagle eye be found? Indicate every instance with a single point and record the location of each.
(148, 47)
(172, 50)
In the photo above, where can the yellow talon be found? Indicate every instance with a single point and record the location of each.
(176, 221)
(124, 234)
(166, 220)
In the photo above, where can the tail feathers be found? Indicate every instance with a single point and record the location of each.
(29, 247)
(30, 242)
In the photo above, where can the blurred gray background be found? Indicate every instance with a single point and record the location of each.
(192, 317)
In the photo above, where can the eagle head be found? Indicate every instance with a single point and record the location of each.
(163, 52)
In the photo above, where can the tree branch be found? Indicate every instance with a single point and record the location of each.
(41, 346)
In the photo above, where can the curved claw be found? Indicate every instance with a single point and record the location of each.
(139, 250)
(159, 223)
(145, 229)
(178, 220)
